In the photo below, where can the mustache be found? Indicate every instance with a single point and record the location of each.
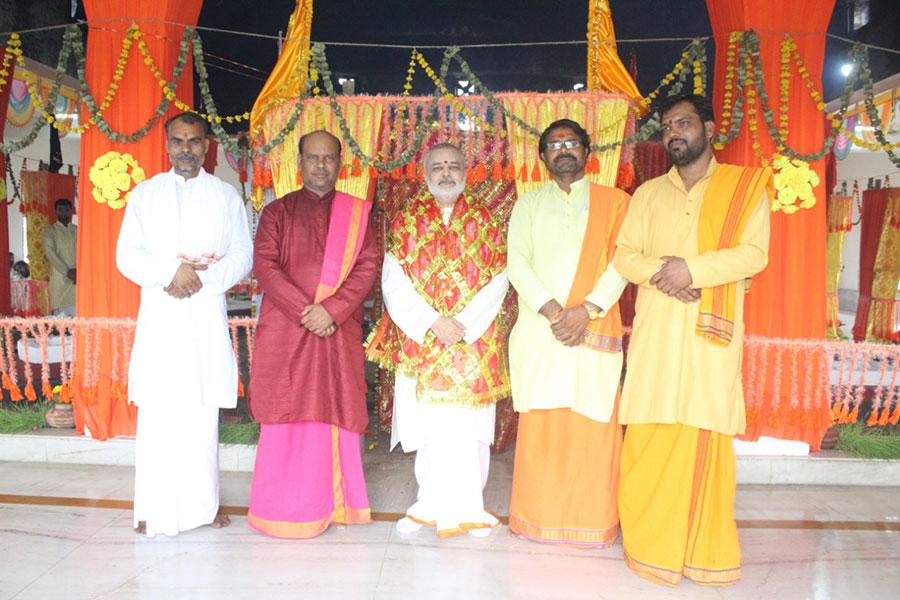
(561, 156)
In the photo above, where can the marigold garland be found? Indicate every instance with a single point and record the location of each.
(794, 183)
(113, 175)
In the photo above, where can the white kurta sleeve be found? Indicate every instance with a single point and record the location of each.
(478, 314)
(411, 313)
(608, 289)
(134, 256)
(237, 260)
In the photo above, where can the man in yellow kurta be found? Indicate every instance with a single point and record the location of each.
(60, 241)
(690, 241)
(565, 351)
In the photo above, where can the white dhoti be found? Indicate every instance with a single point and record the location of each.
(176, 467)
(453, 457)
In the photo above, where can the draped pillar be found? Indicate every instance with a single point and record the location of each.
(101, 290)
(787, 299)
(5, 308)
(839, 223)
(879, 261)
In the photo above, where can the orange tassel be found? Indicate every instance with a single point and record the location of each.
(7, 383)
(298, 178)
(373, 173)
(15, 394)
(47, 391)
(523, 173)
(470, 177)
(240, 387)
(496, 172)
(29, 392)
(895, 416)
(510, 172)
(480, 173)
(410, 170)
(267, 178)
(355, 168)
(342, 174)
(885, 415)
(854, 416)
(397, 173)
(873, 418)
(536, 173)
(593, 165)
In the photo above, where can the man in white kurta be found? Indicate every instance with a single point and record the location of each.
(185, 240)
(60, 243)
(448, 422)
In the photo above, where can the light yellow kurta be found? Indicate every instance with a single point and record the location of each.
(546, 231)
(60, 243)
(675, 375)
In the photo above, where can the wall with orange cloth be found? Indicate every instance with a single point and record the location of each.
(787, 300)
(101, 290)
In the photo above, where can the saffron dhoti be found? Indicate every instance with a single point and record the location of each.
(564, 479)
(676, 503)
(307, 476)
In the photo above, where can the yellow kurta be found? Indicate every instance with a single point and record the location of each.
(546, 231)
(675, 375)
(59, 247)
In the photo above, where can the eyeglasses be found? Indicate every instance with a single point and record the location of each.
(568, 144)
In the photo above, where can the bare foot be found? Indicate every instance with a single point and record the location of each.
(141, 528)
(220, 521)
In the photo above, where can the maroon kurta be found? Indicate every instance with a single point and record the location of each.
(296, 375)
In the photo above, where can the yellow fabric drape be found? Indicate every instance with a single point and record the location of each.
(285, 84)
(602, 115)
(838, 220)
(288, 78)
(884, 314)
(363, 117)
(605, 71)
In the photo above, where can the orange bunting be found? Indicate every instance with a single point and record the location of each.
(480, 173)
(523, 173)
(496, 172)
(536, 173)
(342, 174)
(470, 177)
(510, 172)
(410, 170)
(29, 392)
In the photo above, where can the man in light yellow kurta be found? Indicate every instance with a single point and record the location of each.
(60, 242)
(568, 442)
(682, 397)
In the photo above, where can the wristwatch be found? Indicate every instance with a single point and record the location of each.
(593, 313)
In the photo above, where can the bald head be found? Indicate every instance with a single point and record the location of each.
(320, 161)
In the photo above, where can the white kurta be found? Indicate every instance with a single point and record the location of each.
(182, 364)
(452, 442)
(182, 350)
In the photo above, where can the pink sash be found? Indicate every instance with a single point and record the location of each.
(346, 231)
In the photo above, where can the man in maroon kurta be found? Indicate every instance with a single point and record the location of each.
(307, 387)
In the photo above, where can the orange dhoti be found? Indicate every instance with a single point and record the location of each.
(676, 503)
(564, 480)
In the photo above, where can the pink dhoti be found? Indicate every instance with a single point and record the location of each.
(307, 476)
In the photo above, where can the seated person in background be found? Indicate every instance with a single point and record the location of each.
(20, 271)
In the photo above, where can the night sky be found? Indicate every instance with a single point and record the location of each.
(448, 22)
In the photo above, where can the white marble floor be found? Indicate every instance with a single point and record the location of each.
(66, 552)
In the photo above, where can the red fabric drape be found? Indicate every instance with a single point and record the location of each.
(212, 157)
(874, 205)
(5, 308)
(788, 298)
(102, 291)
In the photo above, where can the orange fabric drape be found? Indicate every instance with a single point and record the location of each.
(101, 290)
(605, 71)
(787, 299)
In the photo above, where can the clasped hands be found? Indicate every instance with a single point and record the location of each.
(567, 324)
(186, 282)
(674, 279)
(318, 320)
(448, 330)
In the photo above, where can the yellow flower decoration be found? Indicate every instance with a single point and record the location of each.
(794, 184)
(113, 176)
